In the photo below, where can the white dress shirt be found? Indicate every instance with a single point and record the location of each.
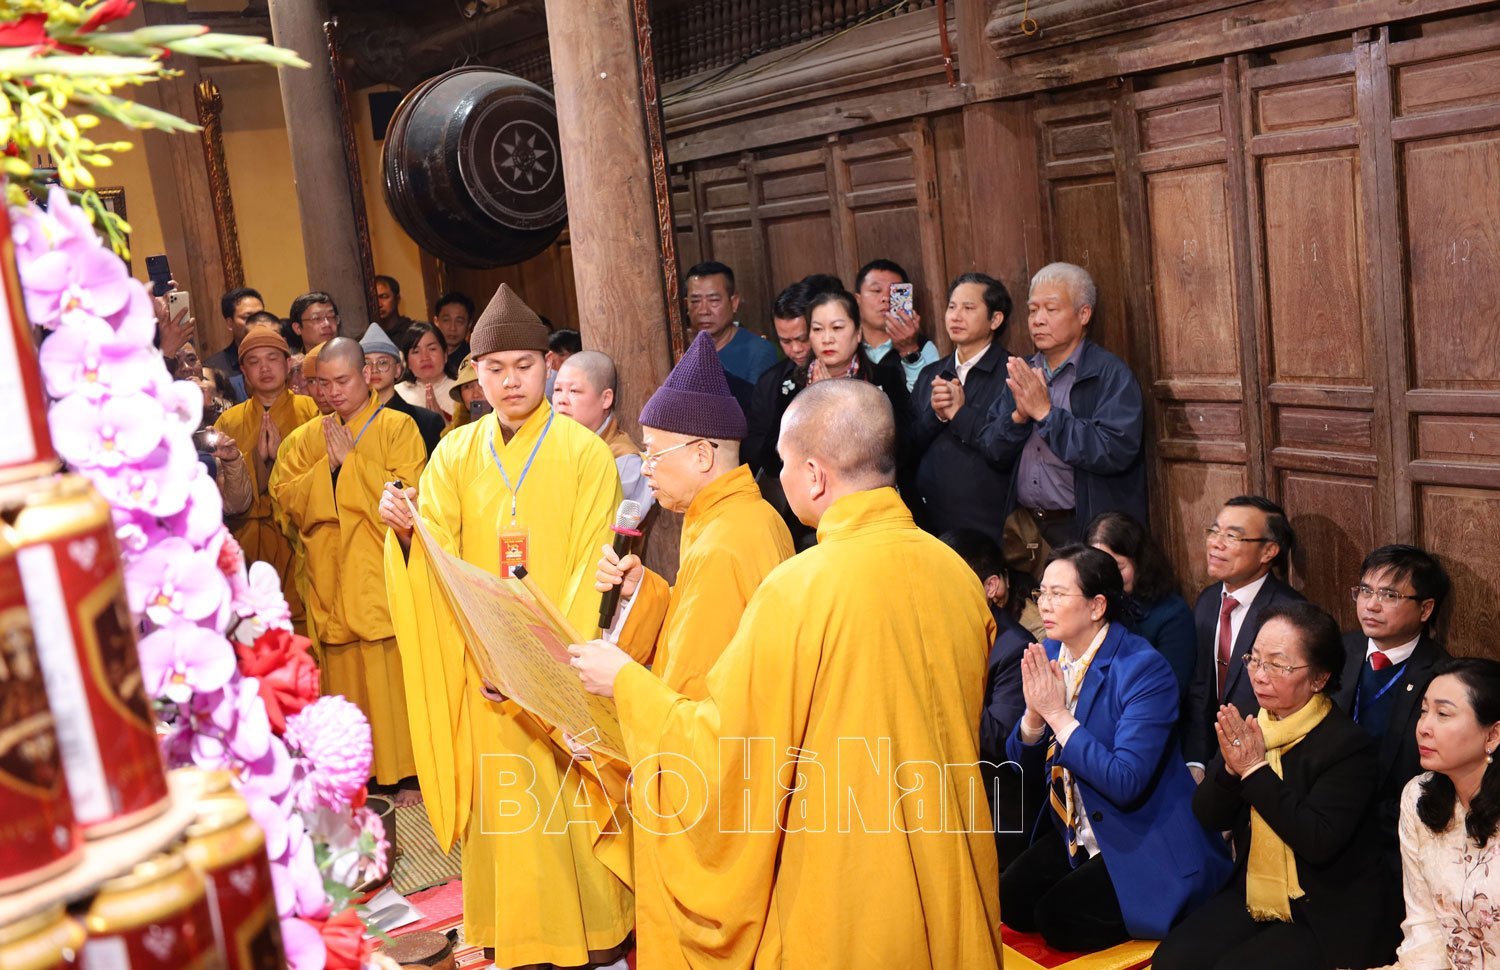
(962, 367)
(1245, 595)
(1397, 655)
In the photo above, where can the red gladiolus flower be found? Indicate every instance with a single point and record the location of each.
(106, 12)
(344, 936)
(28, 31)
(288, 676)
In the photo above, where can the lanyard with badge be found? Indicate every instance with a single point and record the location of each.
(1360, 703)
(515, 539)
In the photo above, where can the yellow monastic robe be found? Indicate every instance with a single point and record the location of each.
(731, 540)
(533, 887)
(257, 531)
(843, 819)
(619, 440)
(342, 535)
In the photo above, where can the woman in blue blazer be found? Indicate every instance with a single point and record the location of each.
(1116, 852)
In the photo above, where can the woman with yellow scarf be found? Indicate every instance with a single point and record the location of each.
(1294, 784)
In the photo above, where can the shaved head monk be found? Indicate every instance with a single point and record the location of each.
(518, 487)
(731, 540)
(327, 483)
(824, 794)
(586, 390)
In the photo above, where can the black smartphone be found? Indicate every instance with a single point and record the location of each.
(948, 374)
(479, 409)
(160, 273)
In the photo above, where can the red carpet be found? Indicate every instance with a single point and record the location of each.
(1026, 951)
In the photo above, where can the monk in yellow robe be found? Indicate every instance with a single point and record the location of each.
(731, 539)
(263, 359)
(533, 888)
(586, 388)
(328, 480)
(825, 793)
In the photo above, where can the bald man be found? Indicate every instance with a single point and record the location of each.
(329, 476)
(585, 390)
(731, 540)
(800, 841)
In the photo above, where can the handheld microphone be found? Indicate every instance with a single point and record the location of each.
(627, 530)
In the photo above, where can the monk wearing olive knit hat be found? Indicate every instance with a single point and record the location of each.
(519, 487)
(731, 539)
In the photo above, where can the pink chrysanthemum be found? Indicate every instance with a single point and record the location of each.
(332, 738)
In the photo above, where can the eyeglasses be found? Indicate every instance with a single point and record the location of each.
(1214, 532)
(648, 460)
(380, 365)
(1038, 595)
(1387, 597)
(1254, 663)
(321, 318)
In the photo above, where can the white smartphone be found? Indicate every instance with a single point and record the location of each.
(177, 302)
(901, 298)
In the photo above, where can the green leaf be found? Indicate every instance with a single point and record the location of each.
(78, 65)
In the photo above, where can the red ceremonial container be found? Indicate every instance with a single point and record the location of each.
(26, 446)
(155, 918)
(47, 941)
(229, 850)
(38, 837)
(70, 571)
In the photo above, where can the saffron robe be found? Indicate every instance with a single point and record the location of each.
(731, 540)
(802, 843)
(342, 536)
(257, 531)
(533, 887)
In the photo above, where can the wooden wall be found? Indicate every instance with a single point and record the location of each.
(1298, 251)
(1306, 243)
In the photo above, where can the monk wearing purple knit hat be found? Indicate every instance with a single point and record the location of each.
(692, 427)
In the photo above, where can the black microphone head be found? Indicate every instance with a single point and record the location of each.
(628, 518)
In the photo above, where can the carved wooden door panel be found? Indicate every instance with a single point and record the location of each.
(1181, 174)
(1312, 193)
(1441, 255)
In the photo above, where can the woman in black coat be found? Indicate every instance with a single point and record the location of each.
(1295, 786)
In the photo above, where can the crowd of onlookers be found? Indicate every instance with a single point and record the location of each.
(1236, 777)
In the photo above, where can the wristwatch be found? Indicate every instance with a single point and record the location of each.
(915, 357)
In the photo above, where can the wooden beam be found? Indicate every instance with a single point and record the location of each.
(1159, 39)
(614, 217)
(320, 166)
(179, 172)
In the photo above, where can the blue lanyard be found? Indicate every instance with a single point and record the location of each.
(366, 427)
(525, 469)
(1359, 703)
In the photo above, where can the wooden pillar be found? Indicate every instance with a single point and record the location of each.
(1001, 154)
(616, 218)
(320, 166)
(178, 172)
(619, 207)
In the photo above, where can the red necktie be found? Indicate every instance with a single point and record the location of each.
(1226, 640)
(1379, 661)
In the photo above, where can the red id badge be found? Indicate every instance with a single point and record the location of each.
(514, 543)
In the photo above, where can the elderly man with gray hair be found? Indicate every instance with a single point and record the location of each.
(1068, 425)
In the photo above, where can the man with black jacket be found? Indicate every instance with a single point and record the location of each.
(958, 487)
(1248, 543)
(1389, 662)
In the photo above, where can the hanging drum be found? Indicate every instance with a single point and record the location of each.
(472, 168)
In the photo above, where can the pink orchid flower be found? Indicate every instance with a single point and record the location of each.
(183, 659)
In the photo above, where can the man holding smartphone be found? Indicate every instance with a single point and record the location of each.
(888, 329)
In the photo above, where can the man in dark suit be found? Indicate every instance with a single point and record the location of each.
(1388, 663)
(957, 485)
(1248, 543)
